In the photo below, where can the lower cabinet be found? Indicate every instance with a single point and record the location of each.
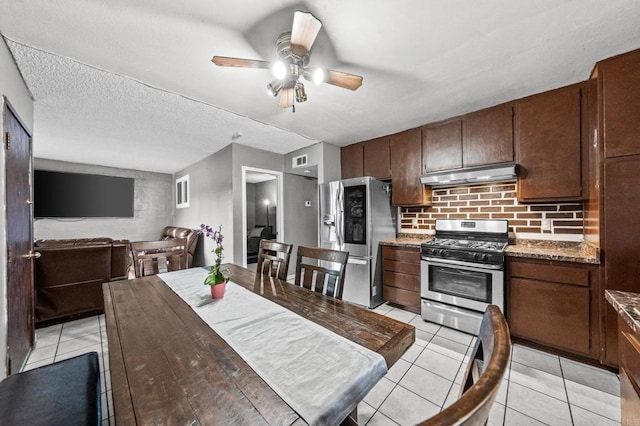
(554, 304)
(401, 276)
(629, 373)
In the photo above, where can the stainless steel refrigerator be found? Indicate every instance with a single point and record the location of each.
(355, 215)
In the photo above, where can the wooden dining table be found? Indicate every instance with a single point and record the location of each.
(168, 366)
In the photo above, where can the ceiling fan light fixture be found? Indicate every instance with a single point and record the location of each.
(279, 70)
(301, 94)
(274, 87)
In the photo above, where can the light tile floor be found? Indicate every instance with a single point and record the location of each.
(539, 388)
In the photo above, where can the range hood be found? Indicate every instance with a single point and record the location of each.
(491, 173)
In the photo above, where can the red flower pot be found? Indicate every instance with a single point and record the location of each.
(217, 291)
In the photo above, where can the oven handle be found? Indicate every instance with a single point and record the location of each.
(463, 264)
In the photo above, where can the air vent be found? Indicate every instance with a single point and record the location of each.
(299, 161)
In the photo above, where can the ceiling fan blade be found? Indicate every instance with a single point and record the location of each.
(286, 96)
(303, 33)
(225, 61)
(343, 79)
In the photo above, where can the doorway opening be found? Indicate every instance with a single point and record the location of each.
(261, 210)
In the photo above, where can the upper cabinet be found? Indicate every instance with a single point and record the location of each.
(621, 100)
(406, 155)
(369, 158)
(442, 146)
(351, 161)
(376, 158)
(488, 136)
(548, 142)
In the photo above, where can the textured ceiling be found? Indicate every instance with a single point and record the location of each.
(130, 83)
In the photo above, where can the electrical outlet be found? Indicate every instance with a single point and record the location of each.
(546, 225)
(307, 203)
(414, 223)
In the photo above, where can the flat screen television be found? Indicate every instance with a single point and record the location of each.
(76, 195)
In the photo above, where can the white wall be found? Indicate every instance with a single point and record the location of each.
(13, 87)
(153, 207)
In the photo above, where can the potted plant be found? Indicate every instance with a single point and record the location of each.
(218, 275)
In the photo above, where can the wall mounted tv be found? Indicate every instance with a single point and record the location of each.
(76, 195)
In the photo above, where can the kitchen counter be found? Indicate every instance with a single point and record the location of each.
(566, 251)
(407, 240)
(627, 305)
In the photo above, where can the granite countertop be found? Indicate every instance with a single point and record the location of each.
(627, 305)
(407, 240)
(565, 251)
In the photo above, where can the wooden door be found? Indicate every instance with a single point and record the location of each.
(376, 158)
(488, 137)
(20, 325)
(548, 146)
(351, 161)
(406, 155)
(621, 101)
(442, 146)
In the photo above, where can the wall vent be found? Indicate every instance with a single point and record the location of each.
(299, 161)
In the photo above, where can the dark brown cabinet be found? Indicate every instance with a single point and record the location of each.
(554, 304)
(488, 137)
(376, 158)
(401, 276)
(548, 146)
(621, 100)
(442, 146)
(352, 161)
(621, 238)
(629, 373)
(406, 156)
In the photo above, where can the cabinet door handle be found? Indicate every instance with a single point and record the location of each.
(32, 255)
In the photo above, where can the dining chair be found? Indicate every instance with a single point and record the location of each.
(321, 270)
(156, 257)
(483, 377)
(273, 258)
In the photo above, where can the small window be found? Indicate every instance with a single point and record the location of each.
(182, 192)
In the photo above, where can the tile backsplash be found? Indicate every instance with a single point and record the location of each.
(494, 201)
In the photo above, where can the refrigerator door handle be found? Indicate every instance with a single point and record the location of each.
(340, 217)
(358, 260)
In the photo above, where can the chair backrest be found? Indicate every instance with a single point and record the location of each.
(322, 270)
(273, 259)
(156, 257)
(487, 365)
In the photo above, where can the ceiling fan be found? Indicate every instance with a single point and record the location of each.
(294, 51)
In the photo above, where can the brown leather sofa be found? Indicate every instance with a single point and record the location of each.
(190, 234)
(69, 274)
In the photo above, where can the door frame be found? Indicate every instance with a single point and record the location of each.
(279, 216)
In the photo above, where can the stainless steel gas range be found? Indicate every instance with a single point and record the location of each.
(462, 272)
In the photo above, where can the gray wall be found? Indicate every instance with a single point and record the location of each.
(250, 157)
(13, 87)
(211, 201)
(153, 207)
(301, 223)
(323, 162)
(251, 205)
(265, 191)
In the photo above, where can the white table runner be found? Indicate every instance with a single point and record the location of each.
(320, 374)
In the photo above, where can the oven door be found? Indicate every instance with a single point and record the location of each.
(459, 284)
